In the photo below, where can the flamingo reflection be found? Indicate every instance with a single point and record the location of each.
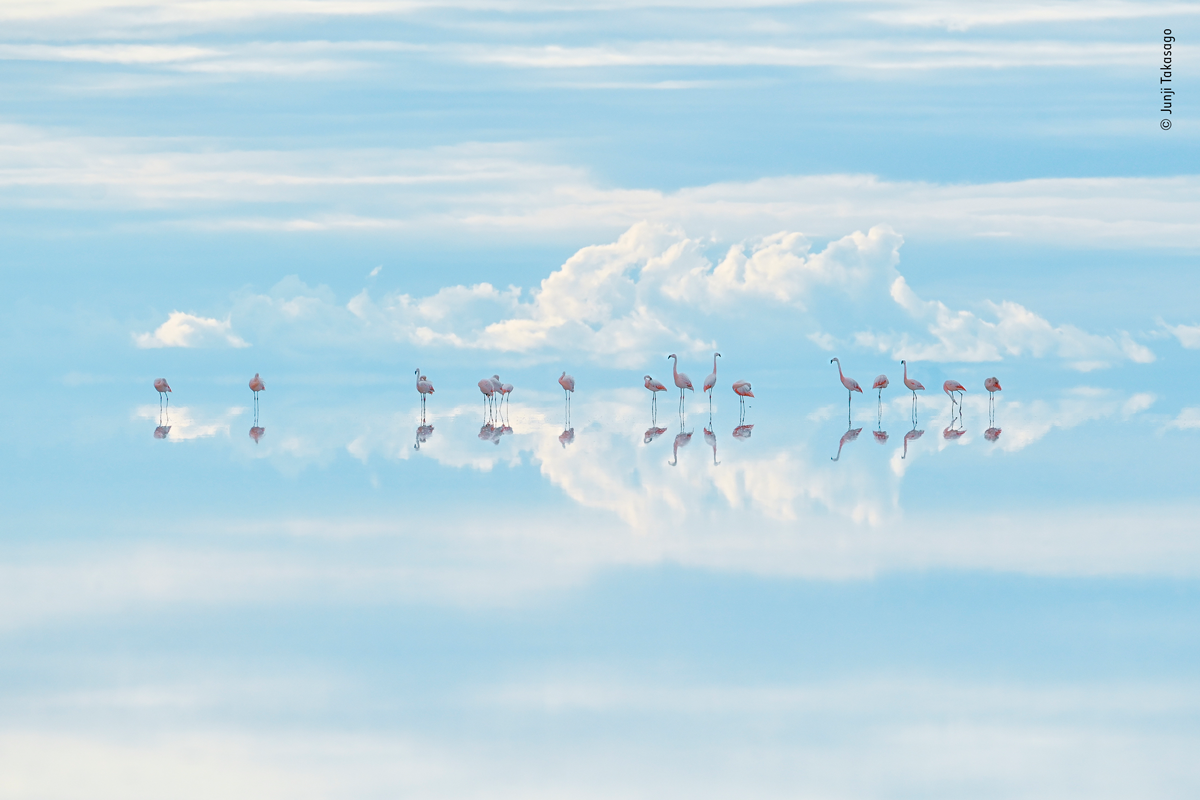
(710, 439)
(653, 433)
(567, 437)
(742, 432)
(681, 440)
(423, 433)
(992, 434)
(161, 431)
(911, 436)
(256, 433)
(848, 436)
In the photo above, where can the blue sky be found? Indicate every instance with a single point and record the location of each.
(333, 194)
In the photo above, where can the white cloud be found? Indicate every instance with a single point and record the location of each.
(1188, 335)
(1015, 331)
(512, 189)
(1188, 419)
(188, 330)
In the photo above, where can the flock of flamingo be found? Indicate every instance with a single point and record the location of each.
(496, 397)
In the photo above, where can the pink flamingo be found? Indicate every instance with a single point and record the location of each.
(681, 379)
(950, 387)
(507, 390)
(848, 436)
(992, 385)
(485, 386)
(850, 384)
(880, 383)
(914, 386)
(568, 384)
(655, 387)
(711, 381)
(160, 384)
(742, 390)
(424, 387)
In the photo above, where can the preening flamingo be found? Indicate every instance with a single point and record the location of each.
(914, 386)
(424, 387)
(160, 384)
(992, 385)
(742, 390)
(850, 384)
(485, 386)
(568, 384)
(681, 379)
(655, 387)
(880, 383)
(711, 381)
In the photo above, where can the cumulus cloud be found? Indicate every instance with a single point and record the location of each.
(656, 290)
(188, 330)
(1013, 330)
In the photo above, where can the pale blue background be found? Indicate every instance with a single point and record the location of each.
(330, 613)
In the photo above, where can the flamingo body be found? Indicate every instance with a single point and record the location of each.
(949, 387)
(256, 384)
(653, 385)
(742, 389)
(566, 382)
(880, 383)
(162, 386)
(992, 385)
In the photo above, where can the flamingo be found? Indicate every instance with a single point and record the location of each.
(681, 379)
(711, 381)
(880, 383)
(498, 388)
(161, 385)
(950, 387)
(992, 385)
(742, 390)
(850, 384)
(848, 436)
(507, 389)
(655, 387)
(914, 386)
(424, 387)
(568, 384)
(485, 386)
